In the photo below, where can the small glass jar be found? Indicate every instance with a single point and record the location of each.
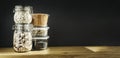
(18, 14)
(40, 31)
(28, 14)
(22, 38)
(40, 43)
(23, 15)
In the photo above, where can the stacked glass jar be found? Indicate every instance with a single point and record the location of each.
(40, 31)
(22, 38)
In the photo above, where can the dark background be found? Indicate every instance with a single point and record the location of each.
(72, 22)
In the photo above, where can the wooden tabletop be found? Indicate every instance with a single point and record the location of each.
(66, 52)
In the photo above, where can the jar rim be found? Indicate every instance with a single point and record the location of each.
(22, 27)
(40, 28)
(45, 37)
(41, 14)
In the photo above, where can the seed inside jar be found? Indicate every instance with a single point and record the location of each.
(40, 31)
(40, 43)
(22, 41)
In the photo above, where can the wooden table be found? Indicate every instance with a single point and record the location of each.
(66, 52)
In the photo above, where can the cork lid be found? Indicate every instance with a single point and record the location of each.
(40, 19)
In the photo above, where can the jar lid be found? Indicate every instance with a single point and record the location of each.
(45, 37)
(41, 28)
(21, 26)
(28, 8)
(37, 14)
(40, 19)
(18, 7)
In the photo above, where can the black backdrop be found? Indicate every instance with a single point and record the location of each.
(71, 22)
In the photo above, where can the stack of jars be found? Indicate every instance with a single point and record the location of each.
(40, 31)
(22, 38)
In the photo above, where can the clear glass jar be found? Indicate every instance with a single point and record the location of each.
(18, 14)
(28, 14)
(40, 31)
(40, 43)
(22, 38)
(22, 15)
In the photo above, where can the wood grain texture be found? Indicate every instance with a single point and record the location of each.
(66, 52)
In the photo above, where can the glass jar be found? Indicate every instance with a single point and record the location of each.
(18, 14)
(28, 14)
(40, 31)
(22, 38)
(40, 43)
(23, 15)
